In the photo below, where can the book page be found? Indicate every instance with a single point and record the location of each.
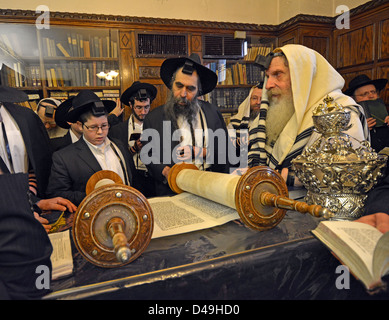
(61, 258)
(187, 212)
(360, 237)
(381, 256)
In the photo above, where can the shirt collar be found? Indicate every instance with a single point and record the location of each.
(99, 148)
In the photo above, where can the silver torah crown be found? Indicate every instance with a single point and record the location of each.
(337, 175)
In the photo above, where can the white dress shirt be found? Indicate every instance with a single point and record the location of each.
(15, 141)
(107, 158)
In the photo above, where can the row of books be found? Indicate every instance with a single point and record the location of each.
(227, 98)
(103, 94)
(78, 74)
(237, 73)
(254, 51)
(78, 45)
(63, 74)
(16, 76)
(242, 73)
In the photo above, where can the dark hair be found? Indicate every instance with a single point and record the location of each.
(87, 115)
(134, 97)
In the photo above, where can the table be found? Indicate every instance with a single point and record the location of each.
(224, 262)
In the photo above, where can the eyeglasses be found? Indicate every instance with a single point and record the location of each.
(103, 127)
(367, 93)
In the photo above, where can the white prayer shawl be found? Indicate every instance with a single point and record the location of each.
(240, 121)
(312, 79)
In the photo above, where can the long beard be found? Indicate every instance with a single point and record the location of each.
(189, 111)
(253, 114)
(279, 113)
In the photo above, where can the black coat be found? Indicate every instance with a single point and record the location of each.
(378, 198)
(165, 144)
(120, 132)
(37, 143)
(24, 244)
(60, 142)
(74, 165)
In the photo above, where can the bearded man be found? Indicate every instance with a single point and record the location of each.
(185, 128)
(297, 80)
(241, 122)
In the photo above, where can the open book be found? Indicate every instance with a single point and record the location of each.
(187, 212)
(359, 246)
(61, 258)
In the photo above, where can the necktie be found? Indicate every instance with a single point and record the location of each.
(7, 148)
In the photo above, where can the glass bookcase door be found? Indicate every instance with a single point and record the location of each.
(19, 56)
(80, 57)
(60, 61)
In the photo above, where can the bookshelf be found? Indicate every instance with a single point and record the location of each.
(60, 61)
(236, 77)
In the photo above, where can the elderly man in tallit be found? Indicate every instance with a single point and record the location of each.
(297, 80)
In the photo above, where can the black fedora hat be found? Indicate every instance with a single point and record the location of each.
(134, 89)
(86, 101)
(9, 94)
(61, 113)
(208, 78)
(363, 80)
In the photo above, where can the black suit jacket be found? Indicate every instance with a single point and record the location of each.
(165, 145)
(74, 165)
(60, 142)
(24, 244)
(120, 132)
(378, 198)
(37, 143)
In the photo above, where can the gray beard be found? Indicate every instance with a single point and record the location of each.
(189, 112)
(278, 115)
(253, 115)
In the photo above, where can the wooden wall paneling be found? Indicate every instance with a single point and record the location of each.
(356, 47)
(148, 70)
(317, 38)
(126, 61)
(383, 40)
(195, 44)
(290, 37)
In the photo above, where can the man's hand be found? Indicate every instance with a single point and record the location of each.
(118, 110)
(188, 152)
(377, 220)
(165, 172)
(43, 221)
(58, 204)
(371, 122)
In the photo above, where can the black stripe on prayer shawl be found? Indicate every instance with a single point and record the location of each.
(295, 151)
(240, 122)
(305, 134)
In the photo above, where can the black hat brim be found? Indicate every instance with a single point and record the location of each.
(129, 92)
(61, 113)
(74, 115)
(9, 94)
(208, 78)
(378, 83)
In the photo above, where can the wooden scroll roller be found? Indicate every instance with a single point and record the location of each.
(114, 223)
(260, 196)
